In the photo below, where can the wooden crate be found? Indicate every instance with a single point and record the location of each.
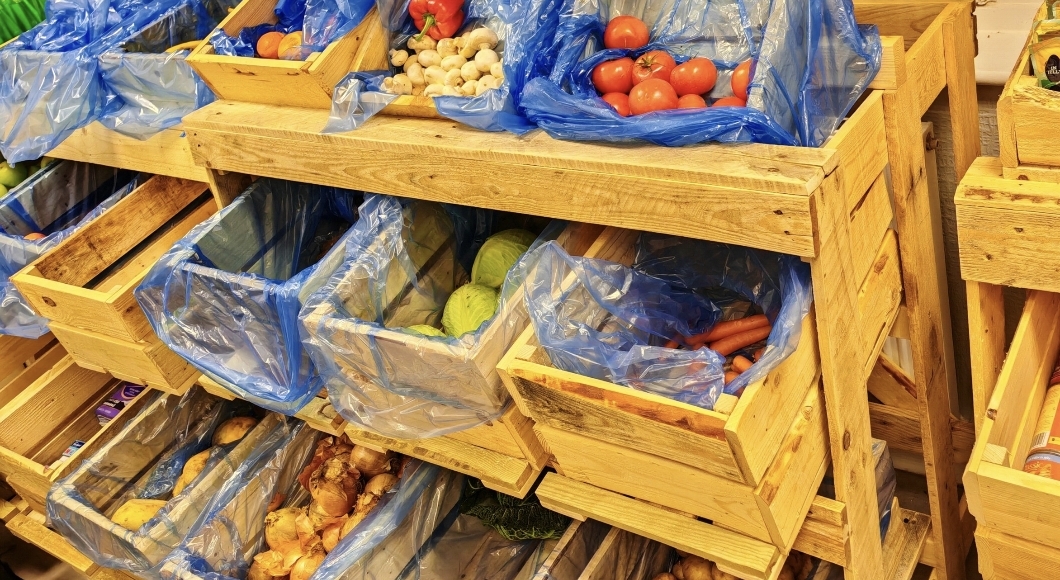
(318, 413)
(166, 153)
(292, 83)
(752, 464)
(85, 285)
(42, 412)
(1013, 508)
(504, 454)
(29, 526)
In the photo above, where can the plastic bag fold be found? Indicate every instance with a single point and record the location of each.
(412, 256)
(56, 201)
(813, 61)
(50, 82)
(144, 461)
(226, 297)
(526, 30)
(611, 322)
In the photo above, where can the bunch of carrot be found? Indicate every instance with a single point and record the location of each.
(728, 337)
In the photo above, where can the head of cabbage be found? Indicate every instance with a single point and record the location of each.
(425, 330)
(500, 252)
(468, 307)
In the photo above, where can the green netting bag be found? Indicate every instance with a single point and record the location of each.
(18, 16)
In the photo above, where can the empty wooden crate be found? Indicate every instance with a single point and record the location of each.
(85, 285)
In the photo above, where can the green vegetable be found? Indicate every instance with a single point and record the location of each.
(500, 252)
(425, 330)
(468, 307)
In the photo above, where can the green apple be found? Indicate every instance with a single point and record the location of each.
(11, 176)
(3, 191)
(45, 161)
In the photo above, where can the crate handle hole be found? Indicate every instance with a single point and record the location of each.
(48, 301)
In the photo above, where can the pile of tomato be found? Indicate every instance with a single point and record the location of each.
(655, 82)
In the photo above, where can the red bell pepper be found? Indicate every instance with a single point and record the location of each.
(437, 18)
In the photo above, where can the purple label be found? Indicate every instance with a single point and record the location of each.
(112, 406)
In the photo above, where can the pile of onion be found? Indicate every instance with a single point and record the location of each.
(691, 567)
(300, 537)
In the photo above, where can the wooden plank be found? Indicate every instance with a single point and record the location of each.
(926, 65)
(1006, 122)
(967, 532)
(892, 64)
(496, 436)
(879, 299)
(958, 34)
(607, 466)
(322, 416)
(1012, 558)
(986, 337)
(922, 296)
(166, 153)
(835, 302)
(747, 557)
(870, 219)
(626, 555)
(37, 534)
(824, 534)
(573, 551)
(143, 363)
(900, 428)
(497, 471)
(904, 543)
(1033, 109)
(226, 186)
(15, 351)
(34, 370)
(891, 385)
(894, 18)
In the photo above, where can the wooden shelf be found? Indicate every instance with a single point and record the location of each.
(166, 153)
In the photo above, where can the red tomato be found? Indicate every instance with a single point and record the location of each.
(614, 76)
(654, 64)
(652, 95)
(619, 102)
(625, 32)
(695, 77)
(741, 77)
(730, 102)
(691, 102)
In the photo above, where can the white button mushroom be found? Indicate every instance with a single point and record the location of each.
(482, 38)
(489, 81)
(425, 43)
(453, 62)
(398, 85)
(415, 73)
(451, 92)
(408, 63)
(485, 59)
(497, 70)
(447, 47)
(469, 88)
(429, 58)
(433, 90)
(470, 72)
(398, 57)
(434, 75)
(453, 78)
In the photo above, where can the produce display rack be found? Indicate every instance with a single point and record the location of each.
(1008, 209)
(166, 153)
(832, 206)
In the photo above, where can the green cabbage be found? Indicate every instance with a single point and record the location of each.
(425, 330)
(468, 307)
(500, 252)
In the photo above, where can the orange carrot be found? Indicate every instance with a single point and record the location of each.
(759, 353)
(671, 344)
(730, 376)
(735, 342)
(731, 327)
(696, 345)
(741, 364)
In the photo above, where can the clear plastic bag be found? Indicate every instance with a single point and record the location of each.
(49, 76)
(144, 461)
(148, 89)
(411, 257)
(526, 30)
(612, 322)
(233, 526)
(813, 62)
(321, 22)
(56, 201)
(227, 296)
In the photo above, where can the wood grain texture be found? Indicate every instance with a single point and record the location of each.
(892, 64)
(986, 337)
(904, 543)
(1006, 122)
(922, 288)
(958, 35)
(895, 18)
(900, 428)
(226, 186)
(39, 535)
(412, 106)
(879, 298)
(926, 66)
(889, 383)
(870, 219)
(1004, 557)
(573, 551)
(749, 558)
(166, 153)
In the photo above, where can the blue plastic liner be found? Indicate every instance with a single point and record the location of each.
(321, 22)
(50, 83)
(411, 257)
(612, 321)
(144, 461)
(813, 61)
(526, 30)
(227, 296)
(147, 89)
(56, 201)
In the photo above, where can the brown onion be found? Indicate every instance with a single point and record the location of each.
(329, 497)
(308, 563)
(281, 530)
(330, 535)
(370, 463)
(271, 564)
(319, 519)
(380, 484)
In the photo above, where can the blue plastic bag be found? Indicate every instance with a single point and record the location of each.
(147, 89)
(227, 296)
(321, 22)
(144, 461)
(813, 61)
(526, 30)
(49, 76)
(411, 257)
(56, 201)
(613, 321)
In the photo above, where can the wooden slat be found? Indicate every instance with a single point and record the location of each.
(167, 153)
(879, 298)
(922, 287)
(15, 351)
(900, 428)
(958, 31)
(1013, 558)
(986, 338)
(32, 371)
(908, 19)
(823, 534)
(904, 543)
(968, 527)
(926, 66)
(892, 64)
(889, 383)
(870, 219)
(37, 534)
(1006, 122)
(749, 558)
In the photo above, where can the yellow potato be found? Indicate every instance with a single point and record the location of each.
(192, 469)
(233, 430)
(133, 514)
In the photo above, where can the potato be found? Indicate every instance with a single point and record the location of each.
(717, 574)
(233, 430)
(664, 576)
(192, 469)
(696, 568)
(786, 573)
(133, 514)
